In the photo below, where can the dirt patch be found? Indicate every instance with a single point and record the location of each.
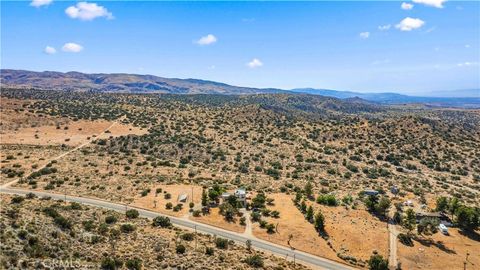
(358, 235)
(441, 252)
(292, 222)
(175, 191)
(217, 220)
(72, 133)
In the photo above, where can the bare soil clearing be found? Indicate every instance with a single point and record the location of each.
(441, 252)
(72, 133)
(351, 232)
(175, 191)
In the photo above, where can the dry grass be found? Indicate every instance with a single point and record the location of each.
(441, 252)
(71, 133)
(351, 232)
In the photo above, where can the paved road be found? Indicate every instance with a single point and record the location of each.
(308, 259)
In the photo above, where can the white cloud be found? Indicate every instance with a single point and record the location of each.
(254, 63)
(87, 11)
(207, 40)
(467, 64)
(364, 35)
(72, 47)
(381, 62)
(384, 27)
(39, 3)
(406, 6)
(432, 3)
(49, 50)
(409, 24)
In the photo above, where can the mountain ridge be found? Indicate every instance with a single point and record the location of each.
(137, 83)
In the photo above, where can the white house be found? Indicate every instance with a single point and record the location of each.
(241, 194)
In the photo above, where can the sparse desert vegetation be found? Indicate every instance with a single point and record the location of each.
(308, 166)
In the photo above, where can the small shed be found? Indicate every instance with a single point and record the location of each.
(182, 198)
(370, 192)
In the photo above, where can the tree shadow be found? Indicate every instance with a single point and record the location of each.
(473, 235)
(439, 244)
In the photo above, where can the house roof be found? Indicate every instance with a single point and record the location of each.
(429, 214)
(240, 191)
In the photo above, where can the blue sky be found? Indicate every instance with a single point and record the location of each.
(334, 45)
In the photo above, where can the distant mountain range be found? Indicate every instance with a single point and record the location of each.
(468, 98)
(134, 83)
(120, 82)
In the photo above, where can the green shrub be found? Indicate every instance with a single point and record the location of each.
(17, 199)
(111, 263)
(187, 236)
(110, 219)
(327, 199)
(180, 249)
(127, 228)
(209, 251)
(132, 213)
(221, 243)
(254, 261)
(134, 264)
(163, 222)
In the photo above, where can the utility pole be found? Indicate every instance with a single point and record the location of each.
(65, 193)
(195, 236)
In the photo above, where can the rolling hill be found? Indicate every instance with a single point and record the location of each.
(135, 83)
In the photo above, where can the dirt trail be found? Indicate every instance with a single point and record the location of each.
(392, 259)
(6, 185)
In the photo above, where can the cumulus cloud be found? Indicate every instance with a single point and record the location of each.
(39, 3)
(384, 27)
(364, 35)
(467, 64)
(207, 40)
(409, 24)
(406, 6)
(87, 11)
(72, 47)
(49, 50)
(432, 3)
(254, 63)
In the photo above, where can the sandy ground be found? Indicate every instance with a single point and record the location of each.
(77, 133)
(214, 218)
(148, 201)
(25, 157)
(358, 235)
(217, 220)
(443, 252)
